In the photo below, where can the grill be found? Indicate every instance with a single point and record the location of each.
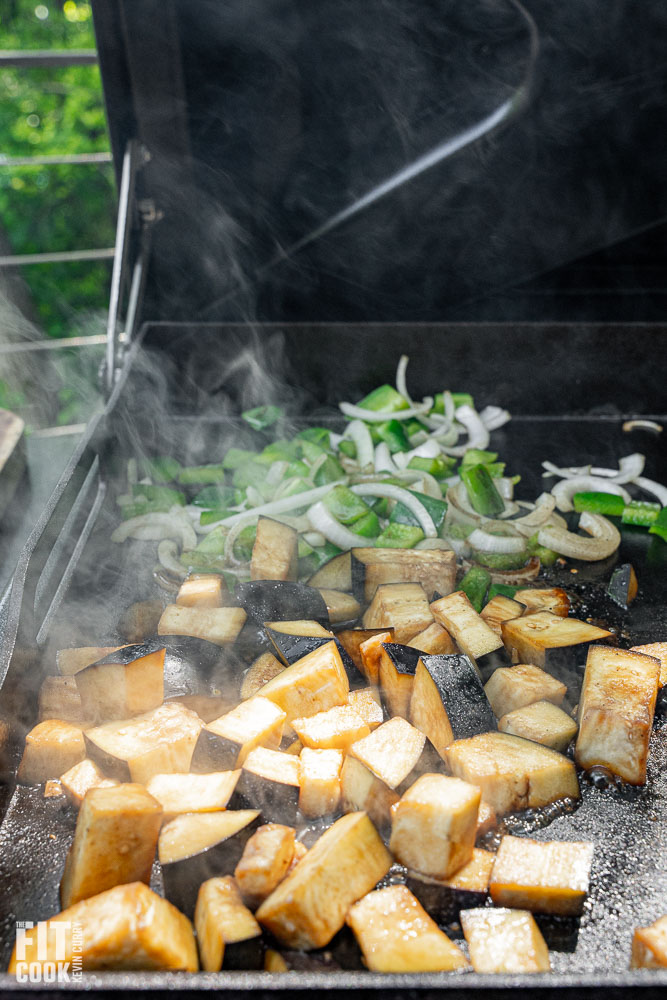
(565, 384)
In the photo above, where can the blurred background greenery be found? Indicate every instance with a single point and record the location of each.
(51, 113)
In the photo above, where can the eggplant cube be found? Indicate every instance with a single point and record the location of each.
(366, 703)
(204, 590)
(397, 667)
(81, 778)
(270, 782)
(512, 773)
(649, 946)
(114, 841)
(51, 748)
(449, 696)
(218, 625)
(434, 640)
(340, 606)
(275, 552)
(396, 934)
(433, 569)
(336, 729)
(226, 929)
(296, 638)
(500, 609)
(59, 698)
(401, 606)
(434, 825)
(659, 650)
(466, 888)
(616, 710)
(542, 876)
(261, 671)
(127, 682)
(194, 845)
(541, 722)
(264, 863)
(351, 639)
(127, 927)
(319, 777)
(502, 940)
(70, 661)
(158, 742)
(335, 573)
(486, 818)
(310, 905)
(314, 683)
(509, 688)
(192, 793)
(549, 641)
(469, 630)
(552, 599)
(370, 652)
(226, 742)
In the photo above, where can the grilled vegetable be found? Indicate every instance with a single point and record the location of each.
(70, 661)
(51, 748)
(310, 905)
(616, 709)
(264, 863)
(366, 703)
(401, 606)
(319, 778)
(396, 934)
(340, 606)
(139, 621)
(500, 609)
(434, 825)
(336, 729)
(294, 639)
(434, 569)
(82, 777)
(397, 667)
(622, 587)
(474, 585)
(556, 644)
(335, 574)
(264, 669)
(448, 697)
(226, 742)
(159, 742)
(226, 929)
(203, 590)
(281, 600)
(125, 683)
(470, 632)
(191, 793)
(553, 599)
(509, 688)
(59, 698)
(512, 773)
(434, 640)
(659, 651)
(218, 625)
(127, 927)
(275, 552)
(270, 782)
(501, 940)
(649, 946)
(313, 684)
(114, 842)
(544, 877)
(444, 898)
(541, 722)
(481, 489)
(193, 845)
(371, 653)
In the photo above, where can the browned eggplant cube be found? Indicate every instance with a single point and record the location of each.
(191, 793)
(370, 652)
(336, 729)
(227, 932)
(509, 688)
(158, 742)
(341, 607)
(114, 841)
(444, 898)
(335, 573)
(649, 946)
(194, 846)
(203, 590)
(616, 710)
(433, 569)
(502, 940)
(226, 742)
(261, 671)
(401, 606)
(511, 772)
(139, 621)
(310, 905)
(51, 748)
(70, 661)
(366, 702)
(500, 609)
(218, 625)
(59, 698)
(128, 927)
(549, 641)
(314, 683)
(264, 863)
(275, 552)
(434, 825)
(659, 651)
(449, 701)
(552, 599)
(125, 683)
(397, 667)
(396, 934)
(470, 632)
(541, 722)
(270, 782)
(542, 876)
(81, 778)
(351, 640)
(319, 777)
(434, 640)
(486, 818)
(294, 639)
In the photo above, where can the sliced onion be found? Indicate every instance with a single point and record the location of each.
(359, 433)
(401, 496)
(435, 543)
(484, 541)
(459, 507)
(629, 467)
(167, 553)
(253, 496)
(513, 577)
(154, 527)
(382, 460)
(401, 384)
(233, 533)
(324, 522)
(494, 417)
(605, 538)
(505, 487)
(642, 425)
(281, 506)
(566, 488)
(478, 435)
(460, 546)
(380, 416)
(429, 484)
(314, 538)
(539, 515)
(656, 489)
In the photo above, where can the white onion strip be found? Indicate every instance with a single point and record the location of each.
(401, 383)
(157, 526)
(382, 460)
(605, 538)
(478, 435)
(359, 433)
(381, 416)
(485, 541)
(324, 522)
(167, 553)
(494, 417)
(304, 499)
(401, 496)
(566, 488)
(656, 489)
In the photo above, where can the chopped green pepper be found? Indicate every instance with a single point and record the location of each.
(393, 435)
(217, 496)
(262, 417)
(158, 494)
(195, 474)
(385, 397)
(318, 435)
(640, 513)
(345, 505)
(348, 448)
(367, 526)
(501, 589)
(659, 526)
(436, 508)
(399, 536)
(474, 585)
(236, 457)
(484, 496)
(599, 503)
(161, 470)
(440, 466)
(328, 472)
